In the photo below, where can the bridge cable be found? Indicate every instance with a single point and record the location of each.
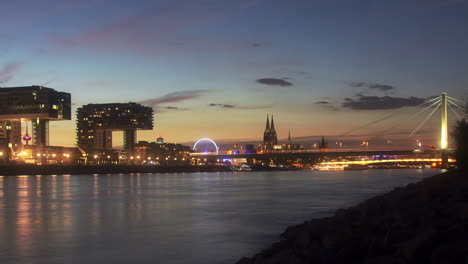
(456, 105)
(425, 120)
(449, 97)
(384, 132)
(455, 112)
(411, 117)
(384, 118)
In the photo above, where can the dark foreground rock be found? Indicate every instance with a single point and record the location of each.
(425, 222)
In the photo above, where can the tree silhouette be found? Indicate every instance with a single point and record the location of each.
(461, 141)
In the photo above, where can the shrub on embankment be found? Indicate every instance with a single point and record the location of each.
(425, 222)
(460, 135)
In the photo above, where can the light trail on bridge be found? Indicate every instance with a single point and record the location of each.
(366, 162)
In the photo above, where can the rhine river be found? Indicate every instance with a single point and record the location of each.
(198, 218)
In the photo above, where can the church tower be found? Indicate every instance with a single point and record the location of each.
(323, 145)
(269, 136)
(274, 138)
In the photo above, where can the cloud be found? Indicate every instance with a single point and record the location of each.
(229, 106)
(163, 29)
(164, 109)
(327, 105)
(8, 71)
(222, 105)
(363, 102)
(274, 82)
(175, 97)
(376, 86)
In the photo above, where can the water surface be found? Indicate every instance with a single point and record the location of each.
(171, 218)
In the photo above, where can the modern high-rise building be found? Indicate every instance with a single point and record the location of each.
(269, 136)
(95, 123)
(36, 105)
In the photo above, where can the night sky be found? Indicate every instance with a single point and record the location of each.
(217, 68)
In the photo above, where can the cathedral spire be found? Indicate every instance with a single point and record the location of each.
(267, 124)
(289, 137)
(272, 124)
(269, 136)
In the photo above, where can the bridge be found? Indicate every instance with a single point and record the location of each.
(315, 156)
(387, 161)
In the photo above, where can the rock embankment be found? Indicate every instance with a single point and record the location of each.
(425, 222)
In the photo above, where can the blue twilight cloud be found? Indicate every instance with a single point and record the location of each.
(274, 82)
(363, 102)
(175, 97)
(376, 86)
(8, 71)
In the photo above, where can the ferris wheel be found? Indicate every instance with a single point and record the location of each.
(206, 146)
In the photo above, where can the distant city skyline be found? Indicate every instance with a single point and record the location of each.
(217, 68)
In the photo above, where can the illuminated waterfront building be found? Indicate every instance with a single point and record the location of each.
(290, 146)
(95, 123)
(270, 138)
(160, 140)
(160, 153)
(250, 149)
(10, 134)
(30, 104)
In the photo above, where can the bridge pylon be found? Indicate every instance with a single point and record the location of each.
(444, 131)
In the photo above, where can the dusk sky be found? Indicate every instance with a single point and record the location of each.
(217, 68)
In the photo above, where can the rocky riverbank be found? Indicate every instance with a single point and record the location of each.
(425, 222)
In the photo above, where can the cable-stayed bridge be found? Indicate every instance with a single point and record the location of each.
(427, 109)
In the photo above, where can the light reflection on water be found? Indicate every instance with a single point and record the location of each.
(170, 218)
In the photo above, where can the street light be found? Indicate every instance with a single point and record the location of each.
(365, 143)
